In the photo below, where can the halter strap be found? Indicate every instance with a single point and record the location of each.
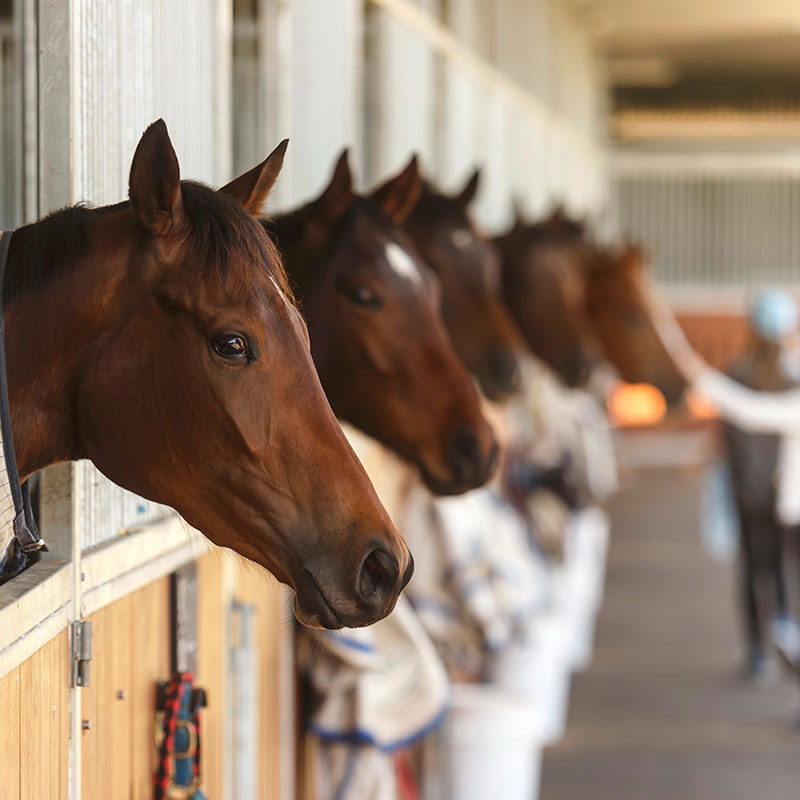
(25, 530)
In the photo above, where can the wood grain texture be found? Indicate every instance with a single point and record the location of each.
(9, 735)
(150, 663)
(34, 736)
(106, 745)
(211, 666)
(257, 587)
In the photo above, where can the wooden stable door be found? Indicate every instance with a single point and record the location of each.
(34, 725)
(130, 654)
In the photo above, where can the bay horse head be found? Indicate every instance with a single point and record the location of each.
(377, 339)
(158, 338)
(543, 287)
(618, 305)
(467, 266)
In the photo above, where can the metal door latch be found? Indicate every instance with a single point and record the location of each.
(81, 639)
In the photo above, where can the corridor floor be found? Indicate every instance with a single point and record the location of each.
(661, 714)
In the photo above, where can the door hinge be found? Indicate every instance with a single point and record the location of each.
(81, 638)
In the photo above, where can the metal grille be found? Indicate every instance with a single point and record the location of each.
(509, 86)
(714, 230)
(137, 62)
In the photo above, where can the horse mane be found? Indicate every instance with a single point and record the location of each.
(220, 227)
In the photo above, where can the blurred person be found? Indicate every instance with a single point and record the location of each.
(760, 406)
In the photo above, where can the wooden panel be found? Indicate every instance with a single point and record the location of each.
(257, 587)
(211, 665)
(150, 663)
(106, 745)
(34, 699)
(9, 735)
(44, 721)
(130, 653)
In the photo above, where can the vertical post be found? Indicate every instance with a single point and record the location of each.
(223, 107)
(274, 64)
(58, 88)
(58, 185)
(30, 112)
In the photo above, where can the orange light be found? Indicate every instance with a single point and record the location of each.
(636, 404)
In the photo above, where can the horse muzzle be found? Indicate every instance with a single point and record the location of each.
(322, 602)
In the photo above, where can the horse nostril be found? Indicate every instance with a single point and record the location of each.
(466, 459)
(378, 576)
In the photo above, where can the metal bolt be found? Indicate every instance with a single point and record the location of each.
(86, 724)
(83, 576)
(121, 694)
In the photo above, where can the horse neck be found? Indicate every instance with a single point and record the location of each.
(49, 333)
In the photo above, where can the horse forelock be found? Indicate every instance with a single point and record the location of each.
(227, 238)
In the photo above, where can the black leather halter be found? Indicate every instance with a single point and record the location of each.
(15, 501)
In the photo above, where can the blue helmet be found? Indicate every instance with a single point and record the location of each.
(774, 314)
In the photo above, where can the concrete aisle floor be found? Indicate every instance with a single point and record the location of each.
(662, 714)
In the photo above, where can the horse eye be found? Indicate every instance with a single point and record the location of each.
(364, 296)
(230, 345)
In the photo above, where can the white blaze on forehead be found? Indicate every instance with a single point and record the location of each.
(401, 263)
(280, 291)
(461, 238)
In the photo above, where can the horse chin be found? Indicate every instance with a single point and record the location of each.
(321, 619)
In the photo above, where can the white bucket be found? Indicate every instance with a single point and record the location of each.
(489, 746)
(537, 671)
(578, 584)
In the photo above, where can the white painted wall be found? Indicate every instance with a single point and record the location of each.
(516, 89)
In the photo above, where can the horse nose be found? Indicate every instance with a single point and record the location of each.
(379, 578)
(579, 367)
(467, 460)
(504, 371)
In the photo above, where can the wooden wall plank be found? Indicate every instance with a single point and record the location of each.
(44, 718)
(211, 665)
(150, 663)
(9, 735)
(106, 745)
(257, 587)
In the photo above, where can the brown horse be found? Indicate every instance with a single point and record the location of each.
(157, 338)
(574, 299)
(544, 289)
(617, 304)
(377, 339)
(468, 269)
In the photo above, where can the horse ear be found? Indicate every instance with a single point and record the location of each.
(467, 194)
(398, 196)
(154, 185)
(251, 188)
(338, 194)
